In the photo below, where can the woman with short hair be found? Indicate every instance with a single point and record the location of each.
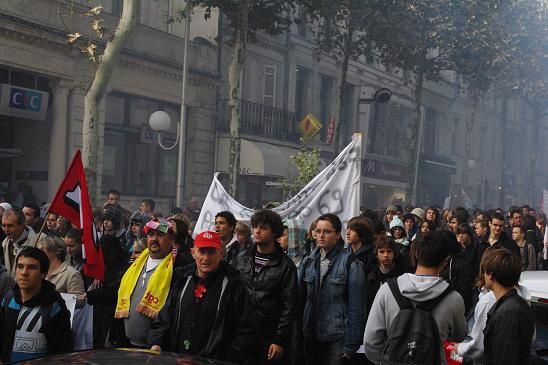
(65, 278)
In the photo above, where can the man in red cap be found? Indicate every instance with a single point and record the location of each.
(208, 311)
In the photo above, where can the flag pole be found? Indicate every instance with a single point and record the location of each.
(41, 230)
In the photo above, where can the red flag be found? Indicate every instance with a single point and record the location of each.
(72, 202)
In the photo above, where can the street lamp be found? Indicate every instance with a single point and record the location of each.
(160, 121)
(382, 95)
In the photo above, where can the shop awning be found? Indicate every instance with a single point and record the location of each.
(256, 158)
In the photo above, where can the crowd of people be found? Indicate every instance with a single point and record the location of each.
(393, 286)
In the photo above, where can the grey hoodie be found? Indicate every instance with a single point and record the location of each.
(6, 281)
(449, 313)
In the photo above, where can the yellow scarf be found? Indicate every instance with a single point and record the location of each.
(157, 287)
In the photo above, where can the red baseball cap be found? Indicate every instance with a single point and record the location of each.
(208, 239)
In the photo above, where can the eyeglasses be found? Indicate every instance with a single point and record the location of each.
(8, 225)
(325, 232)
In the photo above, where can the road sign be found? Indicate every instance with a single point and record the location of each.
(310, 126)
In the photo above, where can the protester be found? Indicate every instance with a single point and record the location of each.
(17, 236)
(388, 216)
(32, 217)
(433, 215)
(51, 224)
(411, 226)
(147, 207)
(135, 231)
(397, 231)
(270, 278)
(65, 278)
(360, 237)
(225, 223)
(528, 255)
(420, 288)
(387, 264)
(242, 243)
(183, 241)
(112, 223)
(497, 235)
(36, 299)
(208, 312)
(192, 211)
(510, 326)
(333, 316)
(463, 267)
(144, 287)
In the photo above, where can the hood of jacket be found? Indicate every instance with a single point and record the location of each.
(46, 296)
(421, 288)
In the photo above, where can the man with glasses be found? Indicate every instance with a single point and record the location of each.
(498, 236)
(331, 282)
(17, 236)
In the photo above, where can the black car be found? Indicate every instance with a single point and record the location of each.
(122, 356)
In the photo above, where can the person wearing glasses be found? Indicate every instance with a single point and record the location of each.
(17, 235)
(498, 236)
(331, 282)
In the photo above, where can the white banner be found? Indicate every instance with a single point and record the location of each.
(336, 189)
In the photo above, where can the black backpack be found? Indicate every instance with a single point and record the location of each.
(414, 335)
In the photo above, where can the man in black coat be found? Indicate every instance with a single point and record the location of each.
(208, 311)
(271, 280)
(510, 324)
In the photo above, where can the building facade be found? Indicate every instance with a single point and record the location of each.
(44, 81)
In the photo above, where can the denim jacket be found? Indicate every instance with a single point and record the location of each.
(336, 310)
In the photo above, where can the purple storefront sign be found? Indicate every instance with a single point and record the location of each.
(384, 170)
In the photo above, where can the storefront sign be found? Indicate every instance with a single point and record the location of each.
(330, 131)
(150, 136)
(384, 170)
(23, 103)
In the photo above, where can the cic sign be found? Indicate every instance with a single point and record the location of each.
(23, 103)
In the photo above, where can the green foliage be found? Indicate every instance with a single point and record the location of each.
(307, 163)
(267, 16)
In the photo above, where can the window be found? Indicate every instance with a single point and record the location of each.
(429, 131)
(387, 129)
(133, 162)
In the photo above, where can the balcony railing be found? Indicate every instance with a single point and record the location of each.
(260, 120)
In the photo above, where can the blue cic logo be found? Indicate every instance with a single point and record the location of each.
(25, 99)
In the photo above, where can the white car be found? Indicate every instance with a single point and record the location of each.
(536, 285)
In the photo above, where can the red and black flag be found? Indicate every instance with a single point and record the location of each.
(72, 202)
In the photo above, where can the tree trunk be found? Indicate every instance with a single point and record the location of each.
(414, 140)
(339, 110)
(534, 156)
(467, 140)
(234, 75)
(90, 129)
(504, 113)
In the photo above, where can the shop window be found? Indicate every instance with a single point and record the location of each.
(115, 109)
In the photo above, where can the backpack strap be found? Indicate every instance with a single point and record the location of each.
(402, 301)
(431, 304)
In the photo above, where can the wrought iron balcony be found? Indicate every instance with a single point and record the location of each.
(260, 120)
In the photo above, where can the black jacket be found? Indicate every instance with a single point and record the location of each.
(274, 294)
(508, 331)
(6, 281)
(461, 272)
(508, 243)
(54, 314)
(375, 278)
(232, 331)
(366, 255)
